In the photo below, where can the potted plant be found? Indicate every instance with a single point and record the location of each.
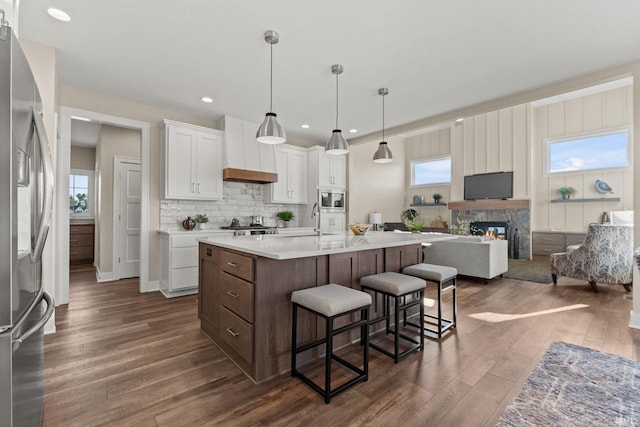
(414, 223)
(285, 216)
(566, 192)
(436, 198)
(202, 220)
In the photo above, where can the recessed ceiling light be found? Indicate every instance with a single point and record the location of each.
(207, 99)
(305, 126)
(353, 130)
(59, 14)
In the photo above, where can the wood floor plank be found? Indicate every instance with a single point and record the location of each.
(121, 358)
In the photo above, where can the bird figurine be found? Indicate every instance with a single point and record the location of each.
(602, 187)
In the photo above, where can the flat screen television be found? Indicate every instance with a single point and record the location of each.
(494, 185)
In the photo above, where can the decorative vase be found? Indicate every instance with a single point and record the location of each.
(566, 196)
(286, 224)
(189, 224)
(436, 201)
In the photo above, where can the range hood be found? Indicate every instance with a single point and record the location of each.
(246, 175)
(245, 159)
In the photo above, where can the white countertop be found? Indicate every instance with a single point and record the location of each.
(289, 247)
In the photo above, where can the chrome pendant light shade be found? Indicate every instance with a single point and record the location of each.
(383, 154)
(270, 131)
(336, 144)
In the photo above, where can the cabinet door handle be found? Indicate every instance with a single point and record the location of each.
(236, 296)
(233, 264)
(193, 187)
(232, 332)
(198, 188)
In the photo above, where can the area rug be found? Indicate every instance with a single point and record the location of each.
(536, 269)
(578, 386)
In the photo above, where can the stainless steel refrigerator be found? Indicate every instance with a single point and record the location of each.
(26, 192)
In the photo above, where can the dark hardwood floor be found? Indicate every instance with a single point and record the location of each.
(127, 359)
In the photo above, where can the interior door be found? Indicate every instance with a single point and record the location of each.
(129, 189)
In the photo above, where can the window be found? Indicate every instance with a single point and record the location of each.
(81, 195)
(436, 170)
(602, 150)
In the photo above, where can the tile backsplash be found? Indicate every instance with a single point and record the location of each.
(241, 200)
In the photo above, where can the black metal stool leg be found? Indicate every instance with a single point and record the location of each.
(327, 367)
(294, 341)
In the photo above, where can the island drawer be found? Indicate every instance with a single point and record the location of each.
(237, 334)
(237, 295)
(238, 265)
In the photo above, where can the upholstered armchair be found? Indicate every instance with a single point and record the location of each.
(606, 256)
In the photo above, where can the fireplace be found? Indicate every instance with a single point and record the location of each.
(514, 214)
(495, 229)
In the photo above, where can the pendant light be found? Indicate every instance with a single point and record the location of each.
(270, 131)
(383, 155)
(336, 144)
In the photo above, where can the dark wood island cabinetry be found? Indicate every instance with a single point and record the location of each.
(245, 299)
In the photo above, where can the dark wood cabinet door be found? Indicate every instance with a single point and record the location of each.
(400, 257)
(208, 284)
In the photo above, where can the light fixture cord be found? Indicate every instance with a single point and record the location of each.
(271, 82)
(337, 100)
(383, 118)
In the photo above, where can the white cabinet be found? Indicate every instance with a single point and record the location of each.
(192, 162)
(179, 262)
(242, 150)
(332, 170)
(333, 223)
(291, 166)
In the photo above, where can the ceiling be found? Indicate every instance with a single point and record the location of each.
(434, 56)
(84, 134)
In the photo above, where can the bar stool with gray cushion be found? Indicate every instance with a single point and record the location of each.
(438, 274)
(399, 287)
(330, 302)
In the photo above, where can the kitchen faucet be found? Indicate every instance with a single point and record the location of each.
(315, 213)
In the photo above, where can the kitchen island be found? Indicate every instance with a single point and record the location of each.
(245, 286)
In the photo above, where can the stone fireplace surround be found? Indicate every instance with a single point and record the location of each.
(516, 213)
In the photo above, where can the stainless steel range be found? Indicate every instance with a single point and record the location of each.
(248, 230)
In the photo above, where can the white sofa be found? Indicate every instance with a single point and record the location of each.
(471, 256)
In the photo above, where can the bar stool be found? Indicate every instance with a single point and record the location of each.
(438, 274)
(329, 302)
(397, 286)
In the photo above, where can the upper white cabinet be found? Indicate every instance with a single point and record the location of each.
(242, 150)
(192, 162)
(329, 171)
(291, 166)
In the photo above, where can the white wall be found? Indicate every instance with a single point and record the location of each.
(593, 112)
(112, 141)
(83, 158)
(378, 187)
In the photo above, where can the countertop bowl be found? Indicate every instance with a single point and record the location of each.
(359, 229)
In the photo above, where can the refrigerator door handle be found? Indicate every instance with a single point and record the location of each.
(44, 319)
(43, 226)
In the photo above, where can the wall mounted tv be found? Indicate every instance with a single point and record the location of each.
(495, 185)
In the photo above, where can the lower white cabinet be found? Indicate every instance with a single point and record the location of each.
(179, 263)
(333, 223)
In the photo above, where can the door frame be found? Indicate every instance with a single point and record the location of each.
(117, 161)
(61, 285)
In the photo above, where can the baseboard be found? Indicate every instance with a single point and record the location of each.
(104, 277)
(151, 286)
(634, 320)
